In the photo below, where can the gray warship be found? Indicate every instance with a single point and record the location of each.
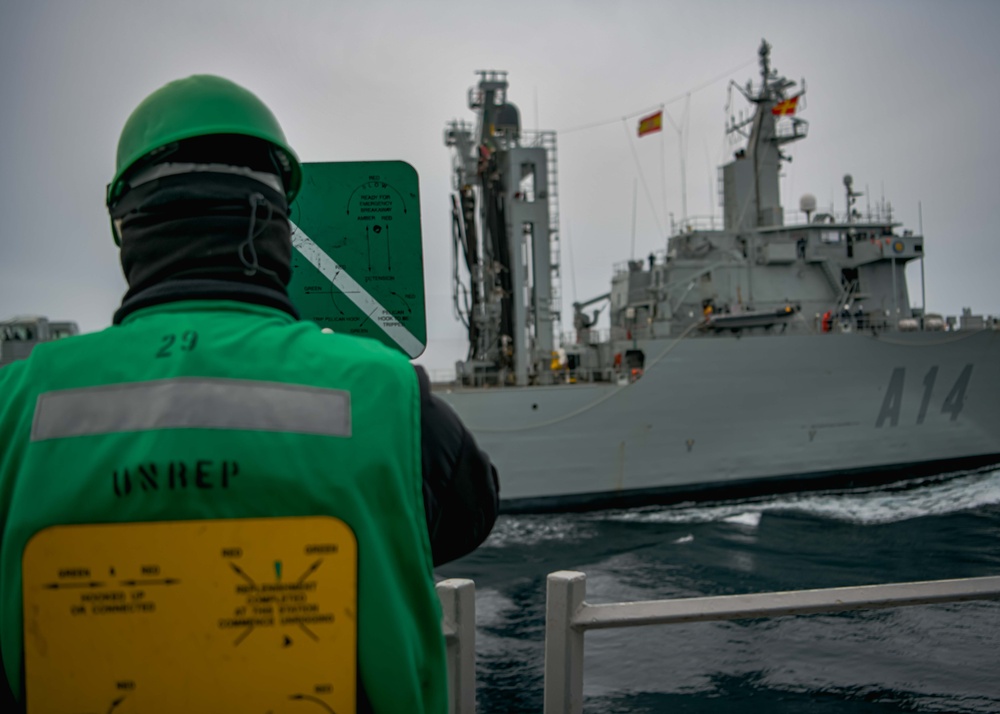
(19, 335)
(774, 352)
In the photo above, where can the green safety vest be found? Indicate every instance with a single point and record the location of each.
(280, 420)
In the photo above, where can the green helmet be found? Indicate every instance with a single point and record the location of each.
(200, 105)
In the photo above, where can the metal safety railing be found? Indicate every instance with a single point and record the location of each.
(458, 623)
(568, 616)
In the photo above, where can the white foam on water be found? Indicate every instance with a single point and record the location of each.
(684, 539)
(750, 519)
(903, 503)
(532, 530)
(887, 504)
(712, 513)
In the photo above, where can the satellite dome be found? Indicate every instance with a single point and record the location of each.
(807, 204)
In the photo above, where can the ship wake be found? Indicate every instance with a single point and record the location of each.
(870, 506)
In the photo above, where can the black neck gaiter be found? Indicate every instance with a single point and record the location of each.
(204, 235)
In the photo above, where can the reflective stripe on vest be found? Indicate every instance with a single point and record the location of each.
(192, 403)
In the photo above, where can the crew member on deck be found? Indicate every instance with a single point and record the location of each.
(199, 205)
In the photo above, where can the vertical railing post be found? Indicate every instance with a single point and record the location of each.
(458, 622)
(563, 694)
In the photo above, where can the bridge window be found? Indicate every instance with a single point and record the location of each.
(17, 333)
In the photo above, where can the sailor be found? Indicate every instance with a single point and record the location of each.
(207, 361)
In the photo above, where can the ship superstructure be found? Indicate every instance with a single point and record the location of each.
(19, 335)
(761, 270)
(506, 236)
(810, 272)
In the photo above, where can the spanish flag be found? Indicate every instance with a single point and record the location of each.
(785, 107)
(650, 124)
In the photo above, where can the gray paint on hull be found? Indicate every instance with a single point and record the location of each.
(733, 410)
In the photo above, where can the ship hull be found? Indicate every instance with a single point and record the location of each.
(732, 416)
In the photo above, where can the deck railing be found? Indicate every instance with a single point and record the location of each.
(458, 622)
(568, 616)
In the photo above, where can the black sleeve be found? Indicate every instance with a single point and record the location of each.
(7, 702)
(461, 489)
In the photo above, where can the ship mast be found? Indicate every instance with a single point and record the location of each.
(752, 198)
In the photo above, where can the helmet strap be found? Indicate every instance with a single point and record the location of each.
(253, 265)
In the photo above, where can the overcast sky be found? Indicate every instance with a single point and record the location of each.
(902, 94)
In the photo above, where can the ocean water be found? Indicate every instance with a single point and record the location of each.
(933, 658)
